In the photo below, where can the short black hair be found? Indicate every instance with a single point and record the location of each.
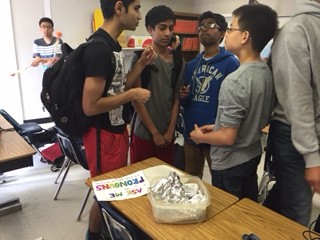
(220, 20)
(260, 21)
(46, 19)
(159, 14)
(107, 7)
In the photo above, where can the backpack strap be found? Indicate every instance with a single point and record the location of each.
(94, 38)
(177, 66)
(98, 156)
(146, 73)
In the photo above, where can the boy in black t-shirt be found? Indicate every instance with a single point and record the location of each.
(106, 106)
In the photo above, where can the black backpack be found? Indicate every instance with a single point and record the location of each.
(62, 87)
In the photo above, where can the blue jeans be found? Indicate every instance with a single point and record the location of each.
(240, 180)
(291, 196)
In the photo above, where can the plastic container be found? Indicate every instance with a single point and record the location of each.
(180, 213)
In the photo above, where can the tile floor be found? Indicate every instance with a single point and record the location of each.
(43, 218)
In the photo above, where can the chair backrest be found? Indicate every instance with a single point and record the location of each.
(11, 120)
(116, 229)
(72, 148)
(32, 132)
(180, 126)
(118, 225)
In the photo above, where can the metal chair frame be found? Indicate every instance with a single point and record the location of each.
(118, 225)
(72, 151)
(32, 132)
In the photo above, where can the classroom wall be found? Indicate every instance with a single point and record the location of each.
(74, 19)
(10, 97)
(283, 8)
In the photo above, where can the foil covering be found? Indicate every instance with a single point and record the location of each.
(172, 190)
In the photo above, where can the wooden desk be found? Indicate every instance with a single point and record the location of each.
(246, 217)
(139, 209)
(15, 152)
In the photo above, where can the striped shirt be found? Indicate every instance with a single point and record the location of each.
(44, 50)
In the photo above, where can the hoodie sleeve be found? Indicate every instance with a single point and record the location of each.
(232, 65)
(292, 76)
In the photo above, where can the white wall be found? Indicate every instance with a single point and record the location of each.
(10, 98)
(283, 8)
(73, 18)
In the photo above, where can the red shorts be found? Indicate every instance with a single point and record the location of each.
(141, 149)
(114, 150)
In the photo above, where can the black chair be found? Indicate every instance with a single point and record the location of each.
(118, 225)
(180, 126)
(74, 152)
(179, 157)
(32, 132)
(268, 177)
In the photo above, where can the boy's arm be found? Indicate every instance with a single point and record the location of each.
(222, 136)
(157, 137)
(133, 75)
(36, 61)
(184, 93)
(173, 119)
(93, 103)
(46, 61)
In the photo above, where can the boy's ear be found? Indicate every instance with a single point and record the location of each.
(118, 7)
(149, 29)
(245, 37)
(222, 35)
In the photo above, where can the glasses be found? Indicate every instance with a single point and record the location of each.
(208, 26)
(46, 27)
(229, 30)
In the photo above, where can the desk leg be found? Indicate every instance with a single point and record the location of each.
(9, 203)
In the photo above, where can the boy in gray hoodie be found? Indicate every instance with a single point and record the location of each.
(294, 135)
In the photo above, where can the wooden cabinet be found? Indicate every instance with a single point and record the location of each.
(186, 27)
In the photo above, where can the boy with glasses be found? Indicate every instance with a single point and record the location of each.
(202, 81)
(46, 50)
(245, 104)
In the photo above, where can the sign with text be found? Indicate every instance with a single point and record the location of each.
(130, 186)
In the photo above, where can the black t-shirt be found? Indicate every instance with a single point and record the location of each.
(97, 61)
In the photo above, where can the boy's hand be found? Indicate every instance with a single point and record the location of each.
(148, 55)
(36, 62)
(184, 91)
(196, 134)
(141, 95)
(159, 140)
(312, 175)
(206, 128)
(50, 62)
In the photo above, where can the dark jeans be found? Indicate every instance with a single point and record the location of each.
(240, 180)
(291, 196)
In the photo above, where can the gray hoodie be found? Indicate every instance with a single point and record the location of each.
(296, 71)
